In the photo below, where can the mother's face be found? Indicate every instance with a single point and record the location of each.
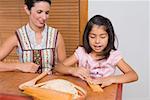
(39, 14)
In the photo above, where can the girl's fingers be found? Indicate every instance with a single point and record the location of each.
(80, 76)
(102, 85)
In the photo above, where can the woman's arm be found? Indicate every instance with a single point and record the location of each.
(60, 47)
(5, 49)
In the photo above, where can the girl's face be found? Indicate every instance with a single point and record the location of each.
(98, 38)
(39, 14)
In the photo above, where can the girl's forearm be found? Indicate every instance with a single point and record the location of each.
(61, 68)
(125, 78)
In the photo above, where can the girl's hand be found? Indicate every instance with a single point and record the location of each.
(81, 72)
(104, 81)
(28, 67)
(26, 84)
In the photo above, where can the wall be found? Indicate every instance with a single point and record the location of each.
(131, 23)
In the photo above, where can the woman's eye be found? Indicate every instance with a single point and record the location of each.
(39, 11)
(47, 12)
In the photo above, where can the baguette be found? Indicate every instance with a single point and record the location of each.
(95, 87)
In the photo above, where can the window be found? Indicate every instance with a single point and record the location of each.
(68, 16)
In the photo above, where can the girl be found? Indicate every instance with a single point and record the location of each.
(98, 58)
(39, 46)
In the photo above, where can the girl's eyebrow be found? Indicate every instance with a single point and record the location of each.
(104, 33)
(92, 33)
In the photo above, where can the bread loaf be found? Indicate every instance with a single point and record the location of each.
(95, 87)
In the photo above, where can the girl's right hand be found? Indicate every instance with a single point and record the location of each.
(81, 72)
(28, 67)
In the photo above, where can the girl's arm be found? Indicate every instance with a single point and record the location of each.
(129, 75)
(5, 49)
(67, 68)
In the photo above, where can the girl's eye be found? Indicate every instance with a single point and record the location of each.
(103, 36)
(92, 36)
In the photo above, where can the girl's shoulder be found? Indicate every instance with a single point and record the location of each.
(114, 57)
(115, 52)
(80, 50)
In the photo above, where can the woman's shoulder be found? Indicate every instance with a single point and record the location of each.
(52, 31)
(51, 28)
(12, 40)
(23, 26)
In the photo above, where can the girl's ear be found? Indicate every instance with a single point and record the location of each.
(26, 9)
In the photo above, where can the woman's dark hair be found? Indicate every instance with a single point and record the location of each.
(100, 21)
(30, 3)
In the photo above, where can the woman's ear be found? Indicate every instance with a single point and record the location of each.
(26, 9)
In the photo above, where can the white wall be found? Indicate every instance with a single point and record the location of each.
(131, 23)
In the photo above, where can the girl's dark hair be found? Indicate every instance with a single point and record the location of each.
(100, 21)
(30, 3)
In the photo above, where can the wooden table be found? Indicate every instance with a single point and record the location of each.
(9, 82)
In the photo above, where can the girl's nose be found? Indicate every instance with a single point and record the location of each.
(97, 40)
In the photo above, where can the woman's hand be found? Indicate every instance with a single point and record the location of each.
(81, 72)
(104, 81)
(26, 84)
(28, 67)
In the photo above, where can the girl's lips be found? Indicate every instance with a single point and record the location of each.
(97, 47)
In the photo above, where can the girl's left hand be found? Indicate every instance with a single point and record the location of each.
(104, 81)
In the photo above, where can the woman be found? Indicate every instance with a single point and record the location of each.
(39, 46)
